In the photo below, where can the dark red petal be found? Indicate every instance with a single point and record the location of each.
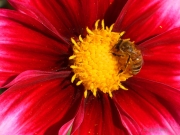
(68, 17)
(162, 58)
(100, 117)
(26, 44)
(113, 11)
(144, 19)
(144, 108)
(38, 104)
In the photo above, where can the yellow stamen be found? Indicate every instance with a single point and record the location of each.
(72, 57)
(122, 33)
(73, 67)
(98, 65)
(94, 92)
(80, 38)
(76, 51)
(78, 83)
(73, 41)
(73, 78)
(127, 39)
(85, 93)
(107, 28)
(122, 87)
(102, 24)
(96, 24)
(75, 44)
(110, 94)
(89, 31)
(111, 27)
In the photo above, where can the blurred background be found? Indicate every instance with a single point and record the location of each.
(4, 4)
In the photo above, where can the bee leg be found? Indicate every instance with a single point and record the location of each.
(122, 70)
(115, 54)
(127, 61)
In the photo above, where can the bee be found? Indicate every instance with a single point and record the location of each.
(126, 48)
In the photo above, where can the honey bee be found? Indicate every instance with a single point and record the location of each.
(134, 57)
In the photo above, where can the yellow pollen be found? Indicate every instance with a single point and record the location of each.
(98, 62)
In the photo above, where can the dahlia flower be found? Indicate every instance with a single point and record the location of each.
(99, 67)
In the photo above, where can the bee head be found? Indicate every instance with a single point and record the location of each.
(126, 46)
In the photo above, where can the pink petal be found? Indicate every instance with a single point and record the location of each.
(162, 58)
(144, 108)
(38, 104)
(143, 19)
(26, 44)
(100, 117)
(67, 17)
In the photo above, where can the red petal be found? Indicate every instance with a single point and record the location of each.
(69, 17)
(26, 44)
(76, 121)
(167, 96)
(38, 104)
(144, 108)
(162, 58)
(100, 117)
(144, 19)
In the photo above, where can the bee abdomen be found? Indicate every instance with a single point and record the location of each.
(136, 67)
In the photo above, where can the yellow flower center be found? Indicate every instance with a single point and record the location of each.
(101, 60)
